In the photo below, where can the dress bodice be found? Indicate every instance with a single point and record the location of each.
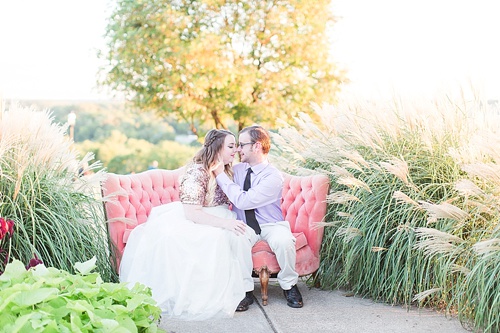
(194, 188)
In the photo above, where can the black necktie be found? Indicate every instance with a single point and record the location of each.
(250, 214)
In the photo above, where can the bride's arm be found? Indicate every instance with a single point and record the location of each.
(196, 214)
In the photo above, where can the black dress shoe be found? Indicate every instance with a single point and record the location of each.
(293, 297)
(245, 302)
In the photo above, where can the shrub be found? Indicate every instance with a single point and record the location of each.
(413, 208)
(50, 194)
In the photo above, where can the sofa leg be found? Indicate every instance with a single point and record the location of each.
(315, 280)
(264, 282)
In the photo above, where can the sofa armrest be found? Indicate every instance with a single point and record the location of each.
(304, 205)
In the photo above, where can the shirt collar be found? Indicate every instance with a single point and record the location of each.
(259, 167)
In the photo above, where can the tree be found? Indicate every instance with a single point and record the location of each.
(221, 60)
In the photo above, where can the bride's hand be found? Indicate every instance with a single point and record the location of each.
(236, 226)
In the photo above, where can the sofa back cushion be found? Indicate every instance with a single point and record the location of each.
(130, 198)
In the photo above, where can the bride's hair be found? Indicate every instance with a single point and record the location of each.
(208, 156)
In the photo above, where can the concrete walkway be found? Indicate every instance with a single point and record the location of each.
(323, 311)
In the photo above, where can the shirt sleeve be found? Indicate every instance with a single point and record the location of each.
(193, 186)
(265, 192)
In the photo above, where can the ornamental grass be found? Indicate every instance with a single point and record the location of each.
(413, 204)
(50, 194)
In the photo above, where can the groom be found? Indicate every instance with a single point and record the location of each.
(256, 197)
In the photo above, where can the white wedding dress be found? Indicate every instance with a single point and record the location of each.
(190, 268)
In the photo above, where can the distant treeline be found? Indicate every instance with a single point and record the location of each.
(123, 139)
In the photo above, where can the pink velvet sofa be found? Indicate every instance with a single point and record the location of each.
(129, 199)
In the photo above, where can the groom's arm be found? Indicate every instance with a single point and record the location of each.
(266, 191)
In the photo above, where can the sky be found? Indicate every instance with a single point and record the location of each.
(419, 49)
(388, 48)
(48, 48)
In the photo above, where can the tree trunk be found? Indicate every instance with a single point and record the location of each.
(217, 121)
(241, 125)
(193, 128)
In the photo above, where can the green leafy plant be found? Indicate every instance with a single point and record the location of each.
(46, 299)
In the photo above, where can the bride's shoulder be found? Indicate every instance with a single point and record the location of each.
(195, 170)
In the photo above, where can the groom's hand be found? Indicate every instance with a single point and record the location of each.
(219, 169)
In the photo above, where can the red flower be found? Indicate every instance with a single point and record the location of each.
(3, 227)
(34, 261)
(6, 227)
(11, 227)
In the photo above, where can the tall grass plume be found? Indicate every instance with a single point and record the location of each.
(418, 188)
(50, 192)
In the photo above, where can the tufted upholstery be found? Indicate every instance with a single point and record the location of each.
(303, 204)
(129, 199)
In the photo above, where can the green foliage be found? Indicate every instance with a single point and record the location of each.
(123, 155)
(413, 208)
(123, 140)
(95, 121)
(213, 61)
(45, 299)
(57, 211)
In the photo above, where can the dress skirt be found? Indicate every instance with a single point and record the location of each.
(190, 268)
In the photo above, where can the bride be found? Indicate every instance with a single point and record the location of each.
(186, 251)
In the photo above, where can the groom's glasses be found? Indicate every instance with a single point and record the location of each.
(243, 144)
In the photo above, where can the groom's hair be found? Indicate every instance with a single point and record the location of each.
(259, 134)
